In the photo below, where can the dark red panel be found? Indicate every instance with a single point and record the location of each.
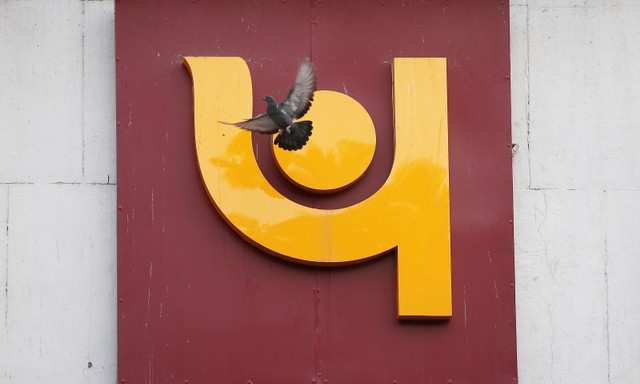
(198, 303)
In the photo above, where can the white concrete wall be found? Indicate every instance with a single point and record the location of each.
(576, 97)
(575, 105)
(57, 192)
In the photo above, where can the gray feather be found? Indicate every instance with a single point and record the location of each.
(279, 117)
(300, 95)
(261, 123)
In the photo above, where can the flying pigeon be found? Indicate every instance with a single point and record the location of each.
(280, 117)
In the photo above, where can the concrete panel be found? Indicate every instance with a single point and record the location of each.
(41, 91)
(99, 93)
(519, 96)
(561, 286)
(4, 217)
(623, 272)
(583, 82)
(61, 314)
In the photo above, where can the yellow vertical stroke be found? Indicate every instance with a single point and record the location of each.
(420, 105)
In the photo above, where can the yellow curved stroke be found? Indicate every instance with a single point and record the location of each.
(410, 211)
(340, 149)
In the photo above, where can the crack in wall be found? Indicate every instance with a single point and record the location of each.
(550, 268)
(551, 346)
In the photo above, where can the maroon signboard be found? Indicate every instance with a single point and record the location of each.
(199, 304)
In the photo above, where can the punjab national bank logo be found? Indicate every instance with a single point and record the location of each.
(409, 212)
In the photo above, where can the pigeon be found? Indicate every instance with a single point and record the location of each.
(279, 118)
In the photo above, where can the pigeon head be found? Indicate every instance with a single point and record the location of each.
(270, 101)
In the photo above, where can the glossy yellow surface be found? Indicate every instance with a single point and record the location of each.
(339, 150)
(410, 211)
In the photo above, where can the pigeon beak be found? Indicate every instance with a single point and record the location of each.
(264, 98)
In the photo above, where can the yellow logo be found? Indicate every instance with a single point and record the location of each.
(409, 212)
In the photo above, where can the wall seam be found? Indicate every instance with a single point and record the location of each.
(527, 90)
(311, 21)
(606, 288)
(83, 93)
(575, 189)
(6, 271)
(56, 183)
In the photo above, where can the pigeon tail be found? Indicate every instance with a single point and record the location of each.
(296, 137)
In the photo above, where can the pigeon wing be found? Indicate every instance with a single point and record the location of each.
(300, 95)
(261, 123)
